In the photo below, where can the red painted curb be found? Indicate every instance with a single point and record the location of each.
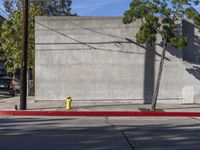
(7, 113)
(100, 114)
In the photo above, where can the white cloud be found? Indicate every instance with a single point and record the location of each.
(96, 3)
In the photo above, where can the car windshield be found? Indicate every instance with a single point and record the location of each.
(4, 81)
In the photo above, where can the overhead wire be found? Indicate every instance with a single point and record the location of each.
(5, 14)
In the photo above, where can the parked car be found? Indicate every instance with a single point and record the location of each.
(9, 85)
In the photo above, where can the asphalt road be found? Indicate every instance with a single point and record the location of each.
(100, 133)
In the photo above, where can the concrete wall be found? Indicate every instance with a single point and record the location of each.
(192, 52)
(97, 58)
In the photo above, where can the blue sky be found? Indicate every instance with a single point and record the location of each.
(1, 6)
(97, 7)
(100, 7)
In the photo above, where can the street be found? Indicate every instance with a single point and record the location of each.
(99, 133)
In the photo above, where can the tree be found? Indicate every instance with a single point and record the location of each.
(11, 37)
(163, 18)
(47, 7)
(11, 31)
(197, 21)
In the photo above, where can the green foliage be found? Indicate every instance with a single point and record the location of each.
(147, 34)
(11, 40)
(162, 17)
(197, 20)
(178, 42)
(12, 28)
(191, 12)
(47, 7)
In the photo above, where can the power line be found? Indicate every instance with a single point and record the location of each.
(2, 15)
(4, 12)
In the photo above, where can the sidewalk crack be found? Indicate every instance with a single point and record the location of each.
(128, 141)
(114, 129)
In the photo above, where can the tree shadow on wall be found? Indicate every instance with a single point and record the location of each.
(190, 54)
(149, 74)
(195, 71)
(195, 53)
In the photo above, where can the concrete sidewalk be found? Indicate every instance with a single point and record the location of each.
(8, 104)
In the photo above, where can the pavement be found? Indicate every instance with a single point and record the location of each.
(99, 133)
(79, 108)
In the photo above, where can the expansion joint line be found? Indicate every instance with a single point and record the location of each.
(128, 141)
(114, 130)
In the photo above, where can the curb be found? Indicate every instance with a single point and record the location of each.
(99, 114)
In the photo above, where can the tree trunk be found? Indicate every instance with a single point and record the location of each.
(156, 89)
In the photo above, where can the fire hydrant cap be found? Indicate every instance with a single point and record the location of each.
(69, 97)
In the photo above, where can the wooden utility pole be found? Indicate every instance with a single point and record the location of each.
(23, 90)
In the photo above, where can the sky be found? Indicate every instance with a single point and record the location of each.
(1, 7)
(96, 7)
(100, 7)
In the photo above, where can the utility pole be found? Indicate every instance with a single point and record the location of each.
(23, 90)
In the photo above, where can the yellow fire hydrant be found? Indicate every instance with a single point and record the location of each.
(68, 102)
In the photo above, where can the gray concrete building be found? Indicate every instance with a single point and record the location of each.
(98, 59)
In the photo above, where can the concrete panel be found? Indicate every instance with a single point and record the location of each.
(97, 58)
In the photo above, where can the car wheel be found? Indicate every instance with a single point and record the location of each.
(13, 93)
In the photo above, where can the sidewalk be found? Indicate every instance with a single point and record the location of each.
(8, 104)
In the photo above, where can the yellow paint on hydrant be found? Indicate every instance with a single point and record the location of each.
(68, 102)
